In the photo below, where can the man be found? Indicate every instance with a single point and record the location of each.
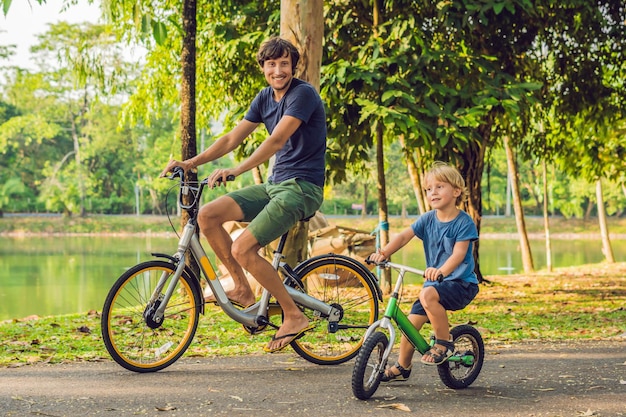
(293, 113)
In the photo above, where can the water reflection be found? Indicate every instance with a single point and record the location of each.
(61, 275)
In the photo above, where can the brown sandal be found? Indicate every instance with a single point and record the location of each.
(389, 376)
(439, 356)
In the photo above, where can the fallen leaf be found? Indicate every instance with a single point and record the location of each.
(395, 406)
(166, 408)
(84, 329)
(587, 413)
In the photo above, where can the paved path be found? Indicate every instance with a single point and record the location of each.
(580, 379)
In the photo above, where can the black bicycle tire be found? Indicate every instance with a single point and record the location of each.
(364, 385)
(312, 264)
(446, 369)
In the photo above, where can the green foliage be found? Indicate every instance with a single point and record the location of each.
(451, 78)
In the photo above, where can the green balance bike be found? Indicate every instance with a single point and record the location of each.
(459, 371)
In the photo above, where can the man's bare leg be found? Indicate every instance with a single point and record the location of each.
(246, 250)
(210, 220)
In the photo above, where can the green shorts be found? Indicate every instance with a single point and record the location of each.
(272, 209)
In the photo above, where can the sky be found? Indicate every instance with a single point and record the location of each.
(27, 18)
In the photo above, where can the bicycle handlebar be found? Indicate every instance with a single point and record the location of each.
(401, 268)
(178, 172)
(187, 187)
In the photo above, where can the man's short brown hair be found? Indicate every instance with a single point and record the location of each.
(275, 48)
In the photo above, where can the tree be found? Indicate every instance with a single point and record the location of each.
(527, 259)
(302, 23)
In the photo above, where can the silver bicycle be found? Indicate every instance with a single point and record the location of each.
(151, 313)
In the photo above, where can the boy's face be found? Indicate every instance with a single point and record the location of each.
(278, 73)
(441, 194)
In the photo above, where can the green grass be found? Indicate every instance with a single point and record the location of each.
(577, 303)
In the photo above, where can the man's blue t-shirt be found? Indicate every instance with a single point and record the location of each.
(303, 156)
(439, 239)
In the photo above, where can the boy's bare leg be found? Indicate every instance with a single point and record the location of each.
(405, 354)
(438, 317)
(210, 220)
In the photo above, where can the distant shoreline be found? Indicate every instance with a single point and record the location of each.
(487, 236)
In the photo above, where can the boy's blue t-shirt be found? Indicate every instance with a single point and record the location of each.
(439, 239)
(303, 156)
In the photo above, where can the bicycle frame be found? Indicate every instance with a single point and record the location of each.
(393, 314)
(252, 316)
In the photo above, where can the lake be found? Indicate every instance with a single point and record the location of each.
(62, 275)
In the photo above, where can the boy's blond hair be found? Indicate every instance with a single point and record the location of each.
(443, 172)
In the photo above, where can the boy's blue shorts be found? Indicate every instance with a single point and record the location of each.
(453, 295)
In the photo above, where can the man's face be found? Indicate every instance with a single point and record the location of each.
(278, 73)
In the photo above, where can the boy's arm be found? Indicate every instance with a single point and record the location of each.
(458, 255)
(393, 246)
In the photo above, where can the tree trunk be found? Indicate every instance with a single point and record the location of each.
(302, 23)
(546, 219)
(188, 87)
(527, 258)
(607, 250)
(257, 175)
(383, 212)
(80, 172)
(415, 176)
(365, 196)
(188, 104)
(472, 171)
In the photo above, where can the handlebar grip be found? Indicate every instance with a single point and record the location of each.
(177, 172)
(440, 278)
(228, 178)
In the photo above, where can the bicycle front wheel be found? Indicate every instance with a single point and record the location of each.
(369, 366)
(337, 281)
(130, 335)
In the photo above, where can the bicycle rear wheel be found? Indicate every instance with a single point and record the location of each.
(341, 282)
(130, 335)
(469, 346)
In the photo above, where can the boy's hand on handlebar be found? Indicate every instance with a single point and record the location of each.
(375, 258)
(433, 274)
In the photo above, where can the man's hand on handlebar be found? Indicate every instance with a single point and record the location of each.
(220, 176)
(169, 168)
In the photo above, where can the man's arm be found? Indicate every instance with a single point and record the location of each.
(281, 134)
(221, 147)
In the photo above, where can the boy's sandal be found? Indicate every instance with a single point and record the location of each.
(439, 356)
(390, 376)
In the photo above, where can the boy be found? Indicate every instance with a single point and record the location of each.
(447, 234)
